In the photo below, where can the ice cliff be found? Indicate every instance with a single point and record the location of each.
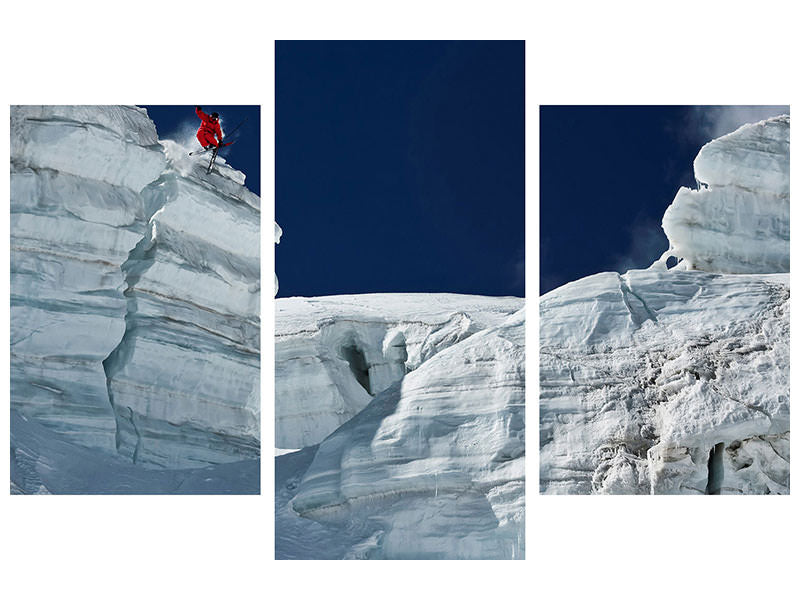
(738, 219)
(409, 409)
(134, 309)
(677, 381)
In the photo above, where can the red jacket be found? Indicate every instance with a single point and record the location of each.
(208, 125)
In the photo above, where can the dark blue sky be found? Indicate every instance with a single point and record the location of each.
(400, 167)
(608, 173)
(179, 122)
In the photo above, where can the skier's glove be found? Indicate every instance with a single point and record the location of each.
(199, 107)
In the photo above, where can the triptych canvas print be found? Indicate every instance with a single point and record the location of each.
(401, 384)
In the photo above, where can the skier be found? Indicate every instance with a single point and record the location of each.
(208, 129)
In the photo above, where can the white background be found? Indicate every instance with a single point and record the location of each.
(146, 52)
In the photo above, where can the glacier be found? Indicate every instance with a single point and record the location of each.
(400, 427)
(676, 381)
(135, 326)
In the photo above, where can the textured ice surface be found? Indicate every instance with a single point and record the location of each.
(677, 381)
(134, 292)
(184, 378)
(334, 353)
(643, 374)
(433, 466)
(738, 221)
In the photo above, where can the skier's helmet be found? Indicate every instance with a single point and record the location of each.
(214, 115)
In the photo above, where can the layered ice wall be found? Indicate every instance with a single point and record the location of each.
(334, 354)
(411, 411)
(677, 381)
(184, 378)
(738, 221)
(77, 174)
(134, 299)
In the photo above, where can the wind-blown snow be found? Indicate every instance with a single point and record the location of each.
(427, 391)
(677, 381)
(134, 297)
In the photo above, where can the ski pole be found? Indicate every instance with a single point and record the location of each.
(234, 129)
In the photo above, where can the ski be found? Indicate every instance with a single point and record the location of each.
(204, 150)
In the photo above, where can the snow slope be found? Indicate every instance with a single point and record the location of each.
(44, 462)
(677, 381)
(428, 457)
(134, 294)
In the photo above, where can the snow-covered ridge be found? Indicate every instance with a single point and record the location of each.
(677, 381)
(135, 325)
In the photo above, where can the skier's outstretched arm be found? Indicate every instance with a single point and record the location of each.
(203, 116)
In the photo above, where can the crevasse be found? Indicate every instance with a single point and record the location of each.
(131, 269)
